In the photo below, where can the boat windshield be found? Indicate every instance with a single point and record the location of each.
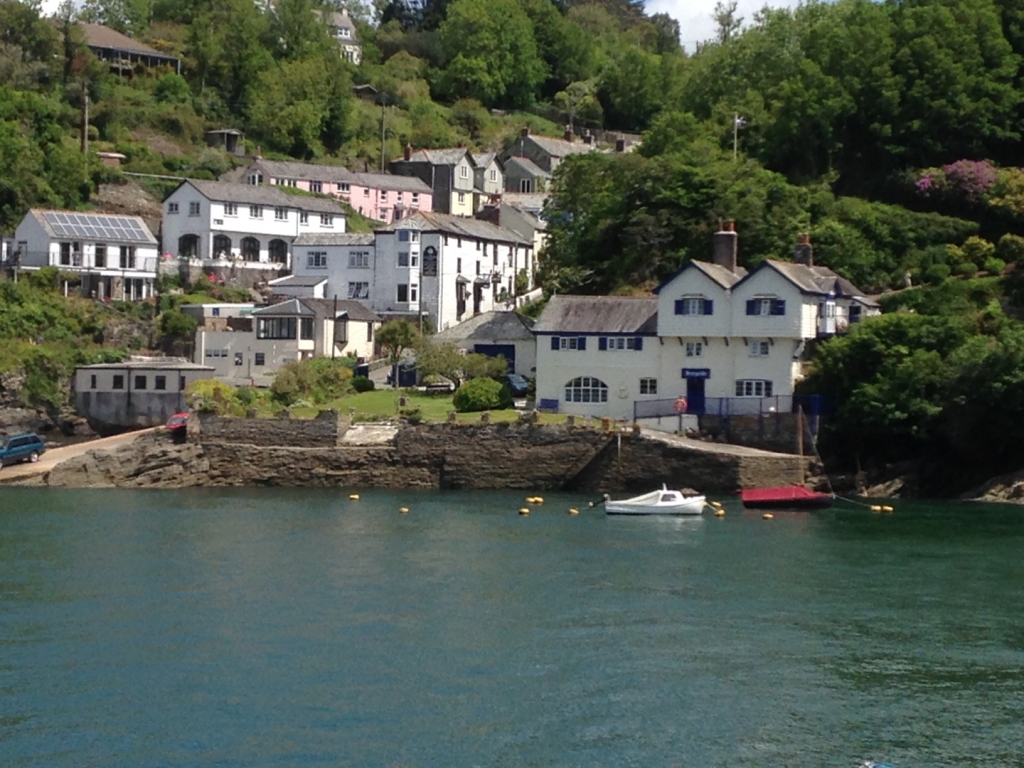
(667, 497)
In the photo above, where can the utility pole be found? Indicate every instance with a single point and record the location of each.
(735, 135)
(85, 117)
(383, 106)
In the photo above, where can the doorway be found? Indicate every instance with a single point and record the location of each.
(695, 396)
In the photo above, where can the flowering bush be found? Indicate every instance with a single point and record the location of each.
(963, 181)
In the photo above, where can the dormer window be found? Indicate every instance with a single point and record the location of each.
(344, 32)
(694, 305)
(765, 306)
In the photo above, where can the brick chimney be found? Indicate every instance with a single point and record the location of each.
(803, 253)
(726, 246)
(568, 133)
(407, 152)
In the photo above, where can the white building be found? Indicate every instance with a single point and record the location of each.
(723, 340)
(115, 256)
(328, 264)
(225, 224)
(250, 350)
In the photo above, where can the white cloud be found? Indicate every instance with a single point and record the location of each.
(694, 16)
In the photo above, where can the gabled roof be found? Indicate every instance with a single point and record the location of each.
(490, 326)
(390, 181)
(817, 281)
(715, 272)
(353, 310)
(459, 226)
(290, 307)
(482, 159)
(251, 194)
(450, 156)
(598, 314)
(299, 281)
(335, 238)
(527, 165)
(99, 36)
(560, 147)
(91, 226)
(288, 170)
(530, 201)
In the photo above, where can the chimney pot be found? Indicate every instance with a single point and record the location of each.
(726, 244)
(803, 253)
(407, 152)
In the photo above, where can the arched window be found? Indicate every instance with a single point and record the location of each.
(221, 247)
(278, 251)
(250, 249)
(586, 389)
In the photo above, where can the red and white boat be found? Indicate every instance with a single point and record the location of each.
(785, 497)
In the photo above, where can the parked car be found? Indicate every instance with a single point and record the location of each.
(177, 421)
(25, 447)
(517, 384)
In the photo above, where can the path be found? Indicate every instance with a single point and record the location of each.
(55, 456)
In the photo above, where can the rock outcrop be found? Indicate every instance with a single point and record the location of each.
(1007, 489)
(151, 461)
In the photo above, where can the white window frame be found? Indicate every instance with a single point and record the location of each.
(648, 386)
(694, 348)
(693, 305)
(758, 348)
(493, 175)
(280, 214)
(764, 306)
(463, 171)
(462, 198)
(586, 389)
(359, 259)
(230, 209)
(359, 289)
(754, 388)
(326, 220)
(303, 218)
(172, 208)
(255, 211)
(316, 259)
(316, 186)
(195, 209)
(568, 342)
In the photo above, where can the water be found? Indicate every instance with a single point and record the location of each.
(273, 627)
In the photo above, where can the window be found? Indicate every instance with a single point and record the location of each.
(403, 235)
(215, 312)
(255, 178)
(326, 220)
(344, 187)
(398, 196)
(316, 259)
(383, 215)
(366, 192)
(758, 348)
(255, 212)
(462, 198)
(493, 175)
(359, 259)
(694, 305)
(193, 209)
(359, 290)
(172, 208)
(316, 186)
(414, 237)
(414, 292)
(65, 254)
(430, 261)
(694, 349)
(275, 328)
(403, 292)
(127, 257)
(568, 342)
(260, 358)
(160, 382)
(303, 217)
(101, 255)
(238, 358)
(586, 389)
(458, 265)
(526, 185)
(612, 343)
(344, 32)
(230, 209)
(763, 307)
(281, 214)
(369, 332)
(140, 382)
(415, 198)
(463, 173)
(648, 386)
(92, 381)
(414, 259)
(383, 195)
(306, 328)
(753, 388)
(403, 258)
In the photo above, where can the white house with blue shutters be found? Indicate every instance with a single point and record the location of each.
(721, 338)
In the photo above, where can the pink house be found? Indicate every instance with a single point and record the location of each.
(379, 196)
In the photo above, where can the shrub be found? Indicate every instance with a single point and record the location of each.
(362, 384)
(1011, 249)
(178, 325)
(172, 89)
(482, 395)
(210, 395)
(316, 381)
(977, 249)
(936, 273)
(412, 415)
(967, 269)
(994, 265)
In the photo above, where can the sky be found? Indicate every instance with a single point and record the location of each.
(694, 16)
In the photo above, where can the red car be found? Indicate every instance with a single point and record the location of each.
(177, 421)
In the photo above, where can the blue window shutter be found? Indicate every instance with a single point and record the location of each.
(751, 307)
(709, 307)
(779, 307)
(679, 306)
(602, 343)
(554, 342)
(638, 342)
(582, 342)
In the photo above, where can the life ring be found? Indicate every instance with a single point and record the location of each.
(679, 406)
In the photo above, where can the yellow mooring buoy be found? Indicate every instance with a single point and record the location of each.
(573, 511)
(888, 510)
(524, 511)
(403, 510)
(767, 516)
(354, 496)
(719, 512)
(875, 508)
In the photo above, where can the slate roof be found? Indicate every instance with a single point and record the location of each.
(299, 281)
(151, 364)
(530, 201)
(251, 194)
(527, 165)
(716, 272)
(335, 238)
(815, 280)
(390, 181)
(598, 314)
(561, 147)
(289, 170)
(99, 36)
(460, 226)
(483, 158)
(290, 307)
(438, 156)
(353, 310)
(490, 326)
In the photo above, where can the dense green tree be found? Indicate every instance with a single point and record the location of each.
(131, 17)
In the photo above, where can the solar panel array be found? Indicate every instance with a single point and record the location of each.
(91, 227)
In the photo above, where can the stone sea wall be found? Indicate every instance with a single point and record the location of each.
(449, 456)
(322, 432)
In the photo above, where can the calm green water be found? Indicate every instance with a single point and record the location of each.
(252, 628)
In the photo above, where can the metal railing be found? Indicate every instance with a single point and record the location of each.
(813, 405)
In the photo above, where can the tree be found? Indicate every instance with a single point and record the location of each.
(395, 337)
(490, 53)
(578, 98)
(445, 359)
(131, 17)
(728, 22)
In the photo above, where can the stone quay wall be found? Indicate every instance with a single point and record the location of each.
(767, 431)
(324, 431)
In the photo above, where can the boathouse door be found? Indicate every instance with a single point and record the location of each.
(695, 396)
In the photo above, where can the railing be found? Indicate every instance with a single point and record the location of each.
(813, 405)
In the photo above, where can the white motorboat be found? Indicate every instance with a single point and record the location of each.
(663, 502)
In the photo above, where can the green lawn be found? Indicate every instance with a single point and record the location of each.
(383, 404)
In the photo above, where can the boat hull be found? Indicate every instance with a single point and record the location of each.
(785, 497)
(692, 506)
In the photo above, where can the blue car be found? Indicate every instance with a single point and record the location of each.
(517, 384)
(25, 447)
